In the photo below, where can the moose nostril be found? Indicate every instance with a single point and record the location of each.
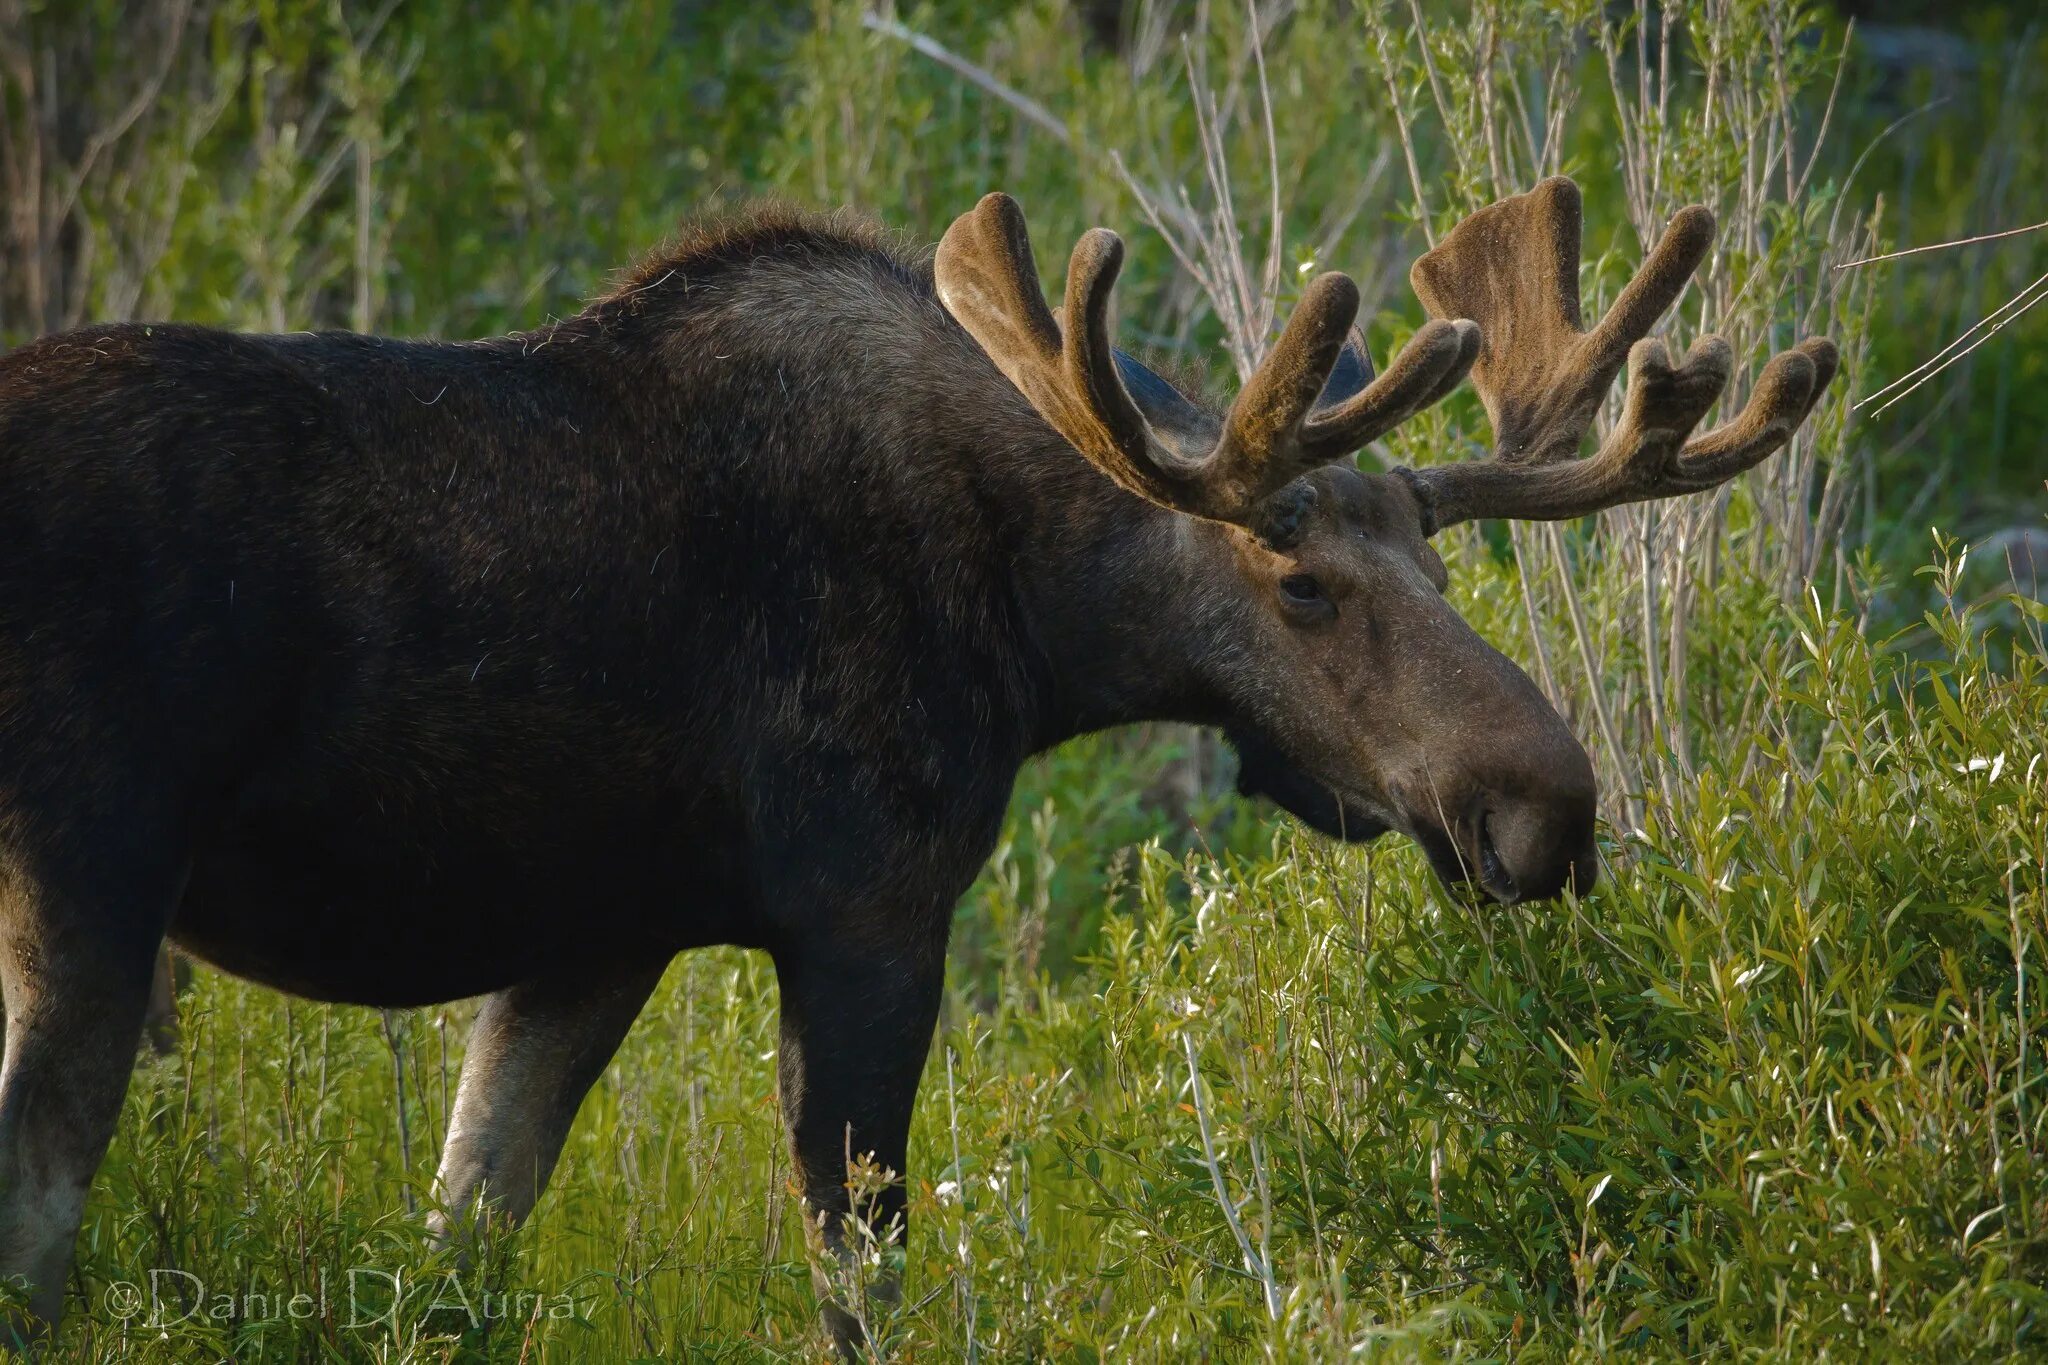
(1493, 869)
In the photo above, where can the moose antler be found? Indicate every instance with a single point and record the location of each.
(1173, 455)
(1514, 267)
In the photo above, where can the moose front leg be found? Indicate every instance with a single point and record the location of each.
(856, 1027)
(534, 1052)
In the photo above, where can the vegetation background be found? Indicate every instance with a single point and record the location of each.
(1206, 1088)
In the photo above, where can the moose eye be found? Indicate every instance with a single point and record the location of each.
(1301, 588)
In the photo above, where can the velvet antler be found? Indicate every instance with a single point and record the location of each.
(1513, 267)
(1275, 431)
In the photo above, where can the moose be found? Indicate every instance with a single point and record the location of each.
(726, 611)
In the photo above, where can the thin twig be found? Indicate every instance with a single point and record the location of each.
(395, 1043)
(2013, 309)
(1269, 284)
(1941, 246)
(1259, 1268)
(979, 76)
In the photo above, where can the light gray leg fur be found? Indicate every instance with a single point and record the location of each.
(534, 1053)
(75, 991)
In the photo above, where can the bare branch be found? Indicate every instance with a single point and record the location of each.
(1941, 246)
(2011, 311)
(980, 77)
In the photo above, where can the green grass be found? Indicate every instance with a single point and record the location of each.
(1773, 1092)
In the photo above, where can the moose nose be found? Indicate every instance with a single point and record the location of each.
(1524, 830)
(1531, 849)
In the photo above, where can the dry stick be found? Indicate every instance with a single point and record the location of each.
(1839, 484)
(1407, 137)
(1647, 538)
(126, 119)
(311, 124)
(1990, 181)
(1031, 109)
(1226, 241)
(1260, 1271)
(1150, 207)
(1219, 241)
(1938, 246)
(960, 66)
(969, 1304)
(1271, 284)
(1664, 81)
(1213, 255)
(157, 244)
(27, 212)
(1827, 113)
(1652, 114)
(1436, 89)
(1681, 629)
(391, 1042)
(1233, 88)
(1593, 692)
(1855, 167)
(2008, 312)
(1524, 561)
(44, 221)
(1560, 108)
(1338, 220)
(1776, 27)
(1521, 102)
(1643, 127)
(1712, 58)
(1631, 159)
(365, 255)
(2038, 295)
(1265, 1216)
(1486, 120)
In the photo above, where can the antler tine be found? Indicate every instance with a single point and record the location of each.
(1514, 267)
(1777, 408)
(1274, 432)
(988, 280)
(1278, 416)
(1433, 363)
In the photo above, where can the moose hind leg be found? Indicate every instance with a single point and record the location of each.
(534, 1052)
(76, 960)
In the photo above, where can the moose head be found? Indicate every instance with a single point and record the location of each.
(1355, 696)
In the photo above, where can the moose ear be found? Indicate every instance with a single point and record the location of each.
(1186, 427)
(1349, 376)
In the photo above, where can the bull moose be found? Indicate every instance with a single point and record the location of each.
(725, 612)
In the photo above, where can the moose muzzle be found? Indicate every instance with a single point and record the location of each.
(1517, 824)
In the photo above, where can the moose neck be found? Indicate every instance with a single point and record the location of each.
(1124, 600)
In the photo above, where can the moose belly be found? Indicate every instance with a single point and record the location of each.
(353, 905)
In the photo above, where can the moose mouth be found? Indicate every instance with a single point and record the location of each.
(1481, 865)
